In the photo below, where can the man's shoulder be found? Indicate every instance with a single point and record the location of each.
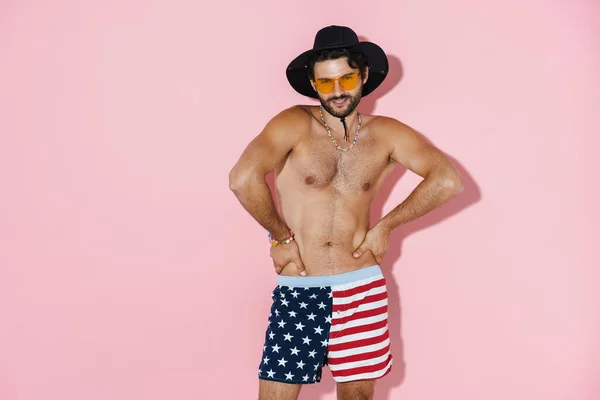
(384, 123)
(390, 131)
(289, 125)
(297, 116)
(298, 111)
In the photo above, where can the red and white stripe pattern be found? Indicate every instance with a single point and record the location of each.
(359, 340)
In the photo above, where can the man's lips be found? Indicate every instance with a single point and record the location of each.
(340, 102)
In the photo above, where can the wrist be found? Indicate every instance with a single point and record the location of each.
(384, 227)
(281, 233)
(285, 238)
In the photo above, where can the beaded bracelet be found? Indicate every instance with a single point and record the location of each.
(274, 242)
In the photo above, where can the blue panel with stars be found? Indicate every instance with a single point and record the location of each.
(296, 339)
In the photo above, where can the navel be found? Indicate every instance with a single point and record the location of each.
(366, 186)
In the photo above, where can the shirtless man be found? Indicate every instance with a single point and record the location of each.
(330, 304)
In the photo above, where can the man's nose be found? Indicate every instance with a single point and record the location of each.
(337, 89)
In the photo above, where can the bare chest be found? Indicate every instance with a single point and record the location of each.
(317, 163)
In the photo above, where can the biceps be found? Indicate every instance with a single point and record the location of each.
(260, 157)
(417, 155)
(271, 147)
(425, 159)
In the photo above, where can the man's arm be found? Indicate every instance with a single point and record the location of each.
(441, 179)
(262, 155)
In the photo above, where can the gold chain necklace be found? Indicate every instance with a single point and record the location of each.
(333, 139)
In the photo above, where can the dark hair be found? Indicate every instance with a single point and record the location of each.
(355, 60)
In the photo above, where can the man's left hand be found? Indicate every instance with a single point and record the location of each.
(376, 241)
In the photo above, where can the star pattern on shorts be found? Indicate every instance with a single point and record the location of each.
(299, 323)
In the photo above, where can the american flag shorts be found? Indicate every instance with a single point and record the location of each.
(335, 320)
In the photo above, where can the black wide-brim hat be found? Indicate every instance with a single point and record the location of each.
(338, 37)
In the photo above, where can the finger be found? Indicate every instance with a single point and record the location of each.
(376, 256)
(359, 252)
(278, 268)
(300, 267)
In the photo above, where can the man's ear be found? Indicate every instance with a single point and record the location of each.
(365, 77)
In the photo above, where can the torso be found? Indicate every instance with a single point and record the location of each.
(324, 195)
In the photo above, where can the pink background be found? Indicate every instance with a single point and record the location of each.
(128, 270)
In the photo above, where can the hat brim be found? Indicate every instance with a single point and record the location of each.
(297, 70)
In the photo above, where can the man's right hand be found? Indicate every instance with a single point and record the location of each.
(283, 254)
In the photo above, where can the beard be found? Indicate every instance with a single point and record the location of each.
(350, 107)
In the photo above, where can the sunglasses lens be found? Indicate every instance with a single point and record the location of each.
(325, 86)
(349, 82)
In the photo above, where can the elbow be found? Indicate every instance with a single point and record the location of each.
(240, 180)
(459, 186)
(453, 183)
(236, 181)
(449, 180)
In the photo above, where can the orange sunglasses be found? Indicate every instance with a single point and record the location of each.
(347, 82)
